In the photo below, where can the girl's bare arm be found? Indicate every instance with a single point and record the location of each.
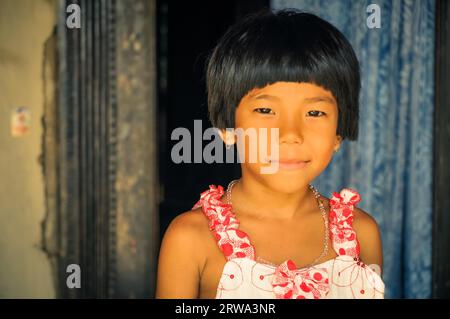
(180, 259)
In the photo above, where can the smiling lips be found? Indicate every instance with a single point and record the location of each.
(290, 163)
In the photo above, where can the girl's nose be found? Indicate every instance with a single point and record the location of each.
(291, 131)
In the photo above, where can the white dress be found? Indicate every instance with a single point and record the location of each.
(345, 276)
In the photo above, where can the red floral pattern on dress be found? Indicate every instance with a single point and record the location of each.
(343, 236)
(224, 224)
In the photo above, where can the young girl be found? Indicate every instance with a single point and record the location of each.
(273, 235)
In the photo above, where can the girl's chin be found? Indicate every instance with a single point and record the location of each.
(284, 170)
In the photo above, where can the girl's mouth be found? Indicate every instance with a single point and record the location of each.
(290, 164)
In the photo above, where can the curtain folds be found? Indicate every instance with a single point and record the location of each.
(391, 163)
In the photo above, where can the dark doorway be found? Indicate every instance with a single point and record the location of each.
(187, 32)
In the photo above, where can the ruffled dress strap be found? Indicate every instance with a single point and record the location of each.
(224, 225)
(342, 234)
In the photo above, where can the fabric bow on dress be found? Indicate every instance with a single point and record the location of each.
(292, 283)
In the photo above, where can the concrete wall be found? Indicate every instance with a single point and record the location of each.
(25, 271)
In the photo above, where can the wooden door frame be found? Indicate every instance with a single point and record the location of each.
(441, 174)
(107, 217)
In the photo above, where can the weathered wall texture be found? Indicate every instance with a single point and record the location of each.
(25, 26)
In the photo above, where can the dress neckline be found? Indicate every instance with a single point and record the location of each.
(270, 264)
(235, 243)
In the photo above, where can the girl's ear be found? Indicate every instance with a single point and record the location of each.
(338, 142)
(227, 136)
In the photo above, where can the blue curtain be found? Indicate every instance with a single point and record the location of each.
(391, 163)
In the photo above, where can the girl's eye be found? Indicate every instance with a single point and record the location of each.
(263, 110)
(316, 113)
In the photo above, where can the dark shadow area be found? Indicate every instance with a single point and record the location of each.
(187, 33)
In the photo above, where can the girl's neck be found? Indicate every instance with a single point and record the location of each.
(252, 198)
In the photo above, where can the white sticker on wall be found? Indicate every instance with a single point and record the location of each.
(20, 121)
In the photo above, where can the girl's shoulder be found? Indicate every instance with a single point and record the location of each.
(191, 225)
(186, 235)
(194, 223)
(369, 237)
(363, 220)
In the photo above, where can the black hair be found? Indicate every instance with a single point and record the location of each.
(288, 45)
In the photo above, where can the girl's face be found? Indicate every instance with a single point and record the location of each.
(306, 116)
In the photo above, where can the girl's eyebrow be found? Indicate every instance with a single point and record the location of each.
(264, 97)
(319, 99)
(306, 100)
